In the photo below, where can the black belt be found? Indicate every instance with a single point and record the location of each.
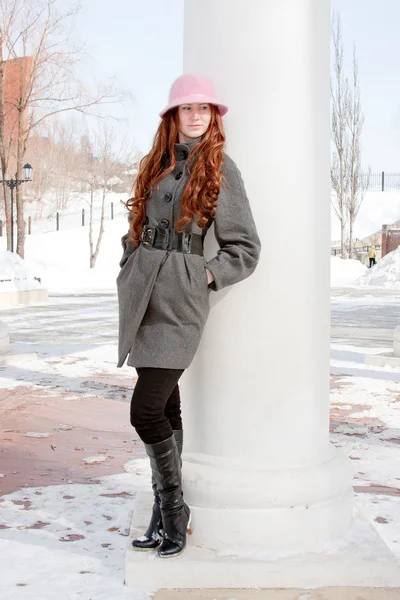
(164, 238)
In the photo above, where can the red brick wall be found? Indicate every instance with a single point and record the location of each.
(390, 239)
(16, 76)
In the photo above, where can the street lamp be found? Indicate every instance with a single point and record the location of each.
(28, 172)
(13, 183)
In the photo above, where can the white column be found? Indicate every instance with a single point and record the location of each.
(259, 470)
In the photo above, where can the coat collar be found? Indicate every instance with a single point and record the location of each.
(182, 152)
(185, 147)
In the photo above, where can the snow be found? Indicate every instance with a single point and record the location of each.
(75, 537)
(43, 212)
(16, 274)
(62, 259)
(71, 541)
(90, 460)
(352, 273)
(385, 274)
(345, 271)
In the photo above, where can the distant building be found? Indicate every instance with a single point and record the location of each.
(390, 238)
(16, 77)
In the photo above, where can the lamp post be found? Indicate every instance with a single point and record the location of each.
(13, 183)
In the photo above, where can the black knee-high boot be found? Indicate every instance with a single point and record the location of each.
(166, 467)
(153, 536)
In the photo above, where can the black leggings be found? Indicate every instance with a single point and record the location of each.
(156, 404)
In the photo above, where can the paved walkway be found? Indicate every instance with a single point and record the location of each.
(364, 318)
(93, 318)
(68, 405)
(70, 326)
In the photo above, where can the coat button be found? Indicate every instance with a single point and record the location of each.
(184, 154)
(164, 223)
(179, 175)
(168, 197)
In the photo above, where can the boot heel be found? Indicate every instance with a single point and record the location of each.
(189, 529)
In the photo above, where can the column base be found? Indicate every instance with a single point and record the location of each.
(360, 559)
(241, 508)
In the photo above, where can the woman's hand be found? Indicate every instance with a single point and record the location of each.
(210, 276)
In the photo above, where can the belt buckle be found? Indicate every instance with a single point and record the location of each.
(164, 238)
(147, 236)
(186, 242)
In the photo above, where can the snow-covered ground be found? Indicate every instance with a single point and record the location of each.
(344, 272)
(68, 541)
(43, 213)
(74, 536)
(61, 259)
(16, 275)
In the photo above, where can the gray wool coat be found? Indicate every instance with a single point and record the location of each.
(163, 295)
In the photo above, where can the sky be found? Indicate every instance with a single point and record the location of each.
(141, 42)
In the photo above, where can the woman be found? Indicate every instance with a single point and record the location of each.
(184, 184)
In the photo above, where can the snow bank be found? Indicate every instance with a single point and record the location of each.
(62, 259)
(16, 275)
(385, 274)
(345, 271)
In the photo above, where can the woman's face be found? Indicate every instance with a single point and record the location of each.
(194, 120)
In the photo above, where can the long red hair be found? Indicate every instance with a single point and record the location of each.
(205, 173)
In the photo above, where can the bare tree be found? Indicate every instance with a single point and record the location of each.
(7, 21)
(340, 138)
(358, 183)
(49, 81)
(53, 150)
(88, 175)
(102, 166)
(3, 161)
(349, 183)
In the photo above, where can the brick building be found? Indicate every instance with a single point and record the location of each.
(16, 74)
(390, 238)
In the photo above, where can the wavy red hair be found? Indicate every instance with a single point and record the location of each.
(205, 173)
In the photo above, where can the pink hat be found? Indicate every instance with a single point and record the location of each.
(188, 89)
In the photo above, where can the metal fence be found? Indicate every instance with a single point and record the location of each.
(382, 182)
(69, 220)
(378, 182)
(356, 250)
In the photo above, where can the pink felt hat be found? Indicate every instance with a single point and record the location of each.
(190, 89)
